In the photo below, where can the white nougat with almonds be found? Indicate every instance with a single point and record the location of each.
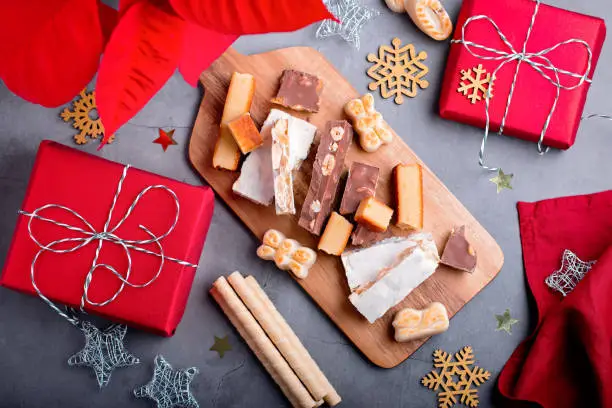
(382, 275)
(256, 181)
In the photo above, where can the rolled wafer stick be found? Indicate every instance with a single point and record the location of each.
(261, 345)
(278, 336)
(331, 396)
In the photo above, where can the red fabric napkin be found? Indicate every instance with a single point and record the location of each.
(567, 360)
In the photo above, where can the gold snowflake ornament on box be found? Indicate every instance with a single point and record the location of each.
(456, 381)
(85, 118)
(398, 71)
(477, 82)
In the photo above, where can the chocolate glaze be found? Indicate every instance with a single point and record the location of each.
(361, 183)
(299, 91)
(325, 177)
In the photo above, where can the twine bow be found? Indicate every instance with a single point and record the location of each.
(537, 60)
(108, 234)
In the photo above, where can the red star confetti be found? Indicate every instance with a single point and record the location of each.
(165, 138)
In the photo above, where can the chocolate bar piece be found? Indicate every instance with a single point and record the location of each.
(299, 91)
(458, 252)
(326, 170)
(361, 183)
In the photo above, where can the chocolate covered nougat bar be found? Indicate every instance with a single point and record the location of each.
(326, 171)
(299, 91)
(361, 183)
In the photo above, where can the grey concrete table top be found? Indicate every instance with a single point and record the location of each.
(35, 343)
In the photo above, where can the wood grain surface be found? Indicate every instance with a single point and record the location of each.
(326, 283)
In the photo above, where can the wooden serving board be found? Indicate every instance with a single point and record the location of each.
(326, 283)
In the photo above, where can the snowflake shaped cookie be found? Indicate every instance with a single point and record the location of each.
(572, 270)
(454, 379)
(352, 17)
(398, 71)
(103, 352)
(85, 118)
(169, 387)
(477, 82)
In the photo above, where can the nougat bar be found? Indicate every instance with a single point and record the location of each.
(281, 168)
(299, 91)
(326, 171)
(361, 183)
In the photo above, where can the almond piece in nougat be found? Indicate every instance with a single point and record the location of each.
(409, 190)
(374, 214)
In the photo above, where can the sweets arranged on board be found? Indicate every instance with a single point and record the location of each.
(326, 171)
(336, 235)
(458, 252)
(239, 97)
(299, 91)
(287, 254)
(273, 341)
(413, 324)
(373, 214)
(428, 15)
(381, 268)
(256, 180)
(245, 133)
(409, 191)
(361, 183)
(372, 129)
(382, 275)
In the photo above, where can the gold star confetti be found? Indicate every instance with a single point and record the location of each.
(502, 180)
(505, 322)
(221, 346)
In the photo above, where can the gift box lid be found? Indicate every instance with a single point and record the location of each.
(61, 276)
(533, 95)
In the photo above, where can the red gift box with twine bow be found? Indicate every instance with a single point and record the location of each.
(135, 267)
(560, 53)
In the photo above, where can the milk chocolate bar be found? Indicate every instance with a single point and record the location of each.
(362, 236)
(299, 91)
(326, 170)
(361, 183)
(458, 252)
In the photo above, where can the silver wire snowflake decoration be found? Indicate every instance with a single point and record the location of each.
(572, 270)
(169, 388)
(103, 352)
(352, 17)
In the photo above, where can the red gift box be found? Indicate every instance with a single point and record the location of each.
(533, 95)
(60, 177)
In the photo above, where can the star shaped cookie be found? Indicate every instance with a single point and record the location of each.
(103, 352)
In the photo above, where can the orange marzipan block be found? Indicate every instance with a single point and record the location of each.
(373, 214)
(409, 190)
(336, 235)
(245, 133)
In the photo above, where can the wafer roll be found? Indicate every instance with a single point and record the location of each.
(275, 332)
(331, 396)
(261, 345)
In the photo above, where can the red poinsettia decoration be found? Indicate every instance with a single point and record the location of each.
(51, 49)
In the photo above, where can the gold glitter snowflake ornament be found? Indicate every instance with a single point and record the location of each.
(456, 380)
(398, 71)
(85, 118)
(476, 84)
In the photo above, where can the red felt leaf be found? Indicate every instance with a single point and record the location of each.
(142, 54)
(49, 50)
(108, 19)
(252, 17)
(200, 48)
